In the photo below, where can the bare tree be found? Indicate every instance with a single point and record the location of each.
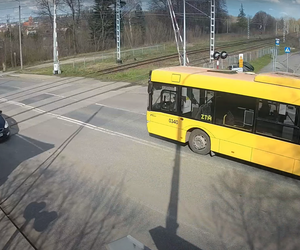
(45, 8)
(75, 8)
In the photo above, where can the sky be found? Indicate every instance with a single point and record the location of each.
(276, 8)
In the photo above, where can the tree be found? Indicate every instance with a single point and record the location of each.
(45, 9)
(75, 8)
(102, 23)
(263, 21)
(139, 22)
(242, 22)
(221, 16)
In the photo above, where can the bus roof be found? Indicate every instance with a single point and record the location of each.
(279, 86)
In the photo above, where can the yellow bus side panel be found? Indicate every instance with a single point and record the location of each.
(165, 125)
(243, 145)
(235, 150)
(273, 160)
(296, 169)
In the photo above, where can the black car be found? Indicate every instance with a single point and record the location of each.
(4, 127)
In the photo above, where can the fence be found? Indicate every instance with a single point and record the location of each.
(125, 54)
(234, 59)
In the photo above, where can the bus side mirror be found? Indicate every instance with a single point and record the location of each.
(0, 112)
(150, 87)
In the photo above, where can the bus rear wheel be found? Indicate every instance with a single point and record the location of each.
(199, 142)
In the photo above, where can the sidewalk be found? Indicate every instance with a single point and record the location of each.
(281, 64)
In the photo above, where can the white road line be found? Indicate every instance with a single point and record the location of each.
(92, 127)
(126, 110)
(60, 96)
(98, 104)
(20, 136)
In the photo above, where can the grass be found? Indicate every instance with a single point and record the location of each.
(261, 62)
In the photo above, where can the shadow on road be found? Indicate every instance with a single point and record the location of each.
(14, 154)
(254, 212)
(37, 212)
(89, 213)
(167, 238)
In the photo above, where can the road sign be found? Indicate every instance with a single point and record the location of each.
(277, 41)
(287, 50)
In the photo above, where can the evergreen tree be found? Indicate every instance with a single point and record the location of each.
(242, 20)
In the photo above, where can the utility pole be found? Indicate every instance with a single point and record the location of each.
(212, 30)
(56, 68)
(118, 30)
(20, 37)
(284, 23)
(10, 42)
(184, 34)
(248, 27)
(227, 24)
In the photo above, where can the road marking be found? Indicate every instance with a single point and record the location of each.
(126, 110)
(20, 136)
(92, 127)
(98, 104)
(60, 96)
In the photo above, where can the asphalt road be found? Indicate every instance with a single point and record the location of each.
(285, 63)
(81, 171)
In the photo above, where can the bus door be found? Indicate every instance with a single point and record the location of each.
(163, 118)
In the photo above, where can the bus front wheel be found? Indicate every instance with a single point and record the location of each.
(199, 142)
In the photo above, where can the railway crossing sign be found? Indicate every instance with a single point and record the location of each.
(287, 50)
(277, 41)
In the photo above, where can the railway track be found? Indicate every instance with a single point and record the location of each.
(175, 55)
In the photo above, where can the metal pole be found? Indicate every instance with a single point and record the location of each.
(287, 62)
(275, 58)
(276, 29)
(284, 24)
(212, 30)
(184, 35)
(20, 37)
(227, 26)
(273, 61)
(118, 30)
(248, 27)
(56, 69)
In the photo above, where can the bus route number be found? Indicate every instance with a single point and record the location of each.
(173, 121)
(206, 117)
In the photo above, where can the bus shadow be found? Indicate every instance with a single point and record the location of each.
(257, 166)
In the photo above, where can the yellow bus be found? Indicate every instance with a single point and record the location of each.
(253, 117)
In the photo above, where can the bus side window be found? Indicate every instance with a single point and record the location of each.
(197, 104)
(164, 98)
(235, 111)
(281, 122)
